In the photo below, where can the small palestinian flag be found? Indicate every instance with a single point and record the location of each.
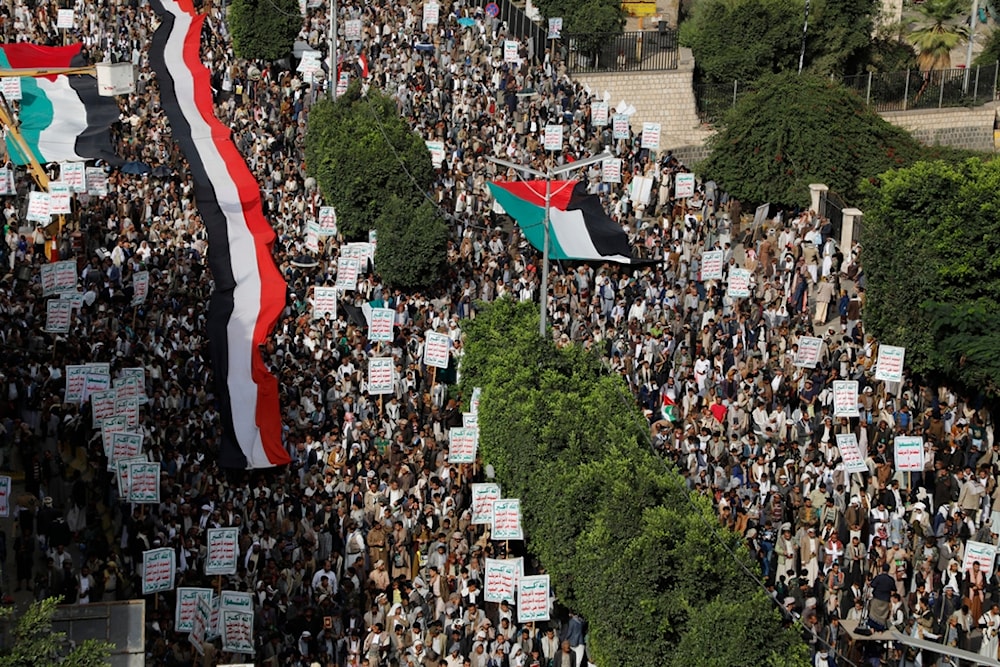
(668, 409)
(63, 118)
(579, 227)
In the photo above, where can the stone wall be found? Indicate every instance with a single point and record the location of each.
(960, 128)
(664, 97)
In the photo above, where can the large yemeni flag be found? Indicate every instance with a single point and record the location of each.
(63, 118)
(579, 227)
(249, 290)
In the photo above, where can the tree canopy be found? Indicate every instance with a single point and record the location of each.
(264, 29)
(931, 236)
(597, 17)
(34, 644)
(625, 543)
(375, 172)
(795, 130)
(746, 39)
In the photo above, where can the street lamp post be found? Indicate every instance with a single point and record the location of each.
(333, 51)
(548, 175)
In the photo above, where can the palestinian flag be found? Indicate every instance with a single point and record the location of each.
(63, 118)
(668, 409)
(579, 227)
(249, 290)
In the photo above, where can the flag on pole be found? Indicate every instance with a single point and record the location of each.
(579, 227)
(63, 118)
(249, 290)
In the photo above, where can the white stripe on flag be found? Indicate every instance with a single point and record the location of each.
(69, 120)
(242, 251)
(571, 234)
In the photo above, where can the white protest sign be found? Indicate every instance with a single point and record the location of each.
(324, 301)
(11, 88)
(60, 198)
(380, 376)
(483, 497)
(121, 469)
(507, 520)
(462, 444)
(136, 377)
(470, 420)
(380, 324)
(111, 424)
(436, 349)
(352, 30)
(683, 186)
(5, 188)
(510, 51)
(102, 408)
(144, 482)
(711, 265)
(128, 407)
(187, 606)
(97, 182)
(65, 19)
(436, 149)
(200, 623)
(599, 113)
(72, 174)
(223, 551)
(237, 631)
(38, 207)
(850, 453)
(5, 486)
(75, 299)
(845, 398)
(499, 580)
(553, 137)
(807, 353)
(125, 445)
(58, 277)
(739, 283)
(533, 598)
(555, 27)
(58, 313)
(889, 366)
(619, 126)
(908, 451)
(140, 287)
(159, 566)
(236, 601)
(979, 552)
(347, 274)
(312, 236)
(611, 170)
(327, 221)
(651, 136)
(477, 392)
(432, 12)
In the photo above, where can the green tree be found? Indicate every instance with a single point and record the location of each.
(796, 130)
(743, 39)
(931, 236)
(361, 153)
(621, 537)
(839, 35)
(264, 29)
(938, 33)
(590, 17)
(34, 644)
(413, 244)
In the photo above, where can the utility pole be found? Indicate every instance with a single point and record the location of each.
(333, 50)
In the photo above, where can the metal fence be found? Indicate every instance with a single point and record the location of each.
(646, 50)
(883, 91)
(519, 25)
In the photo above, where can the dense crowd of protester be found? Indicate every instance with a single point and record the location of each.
(361, 552)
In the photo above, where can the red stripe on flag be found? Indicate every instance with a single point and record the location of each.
(534, 192)
(24, 56)
(272, 293)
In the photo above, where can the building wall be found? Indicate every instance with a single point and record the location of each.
(960, 128)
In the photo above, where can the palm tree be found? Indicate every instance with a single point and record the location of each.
(935, 39)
